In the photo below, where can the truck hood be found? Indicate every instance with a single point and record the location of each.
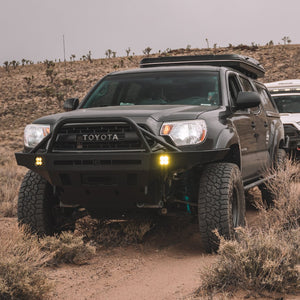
(138, 113)
(290, 118)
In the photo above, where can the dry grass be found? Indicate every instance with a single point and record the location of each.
(113, 233)
(265, 258)
(67, 248)
(10, 179)
(286, 188)
(21, 260)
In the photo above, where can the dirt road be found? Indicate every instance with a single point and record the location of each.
(162, 269)
(166, 266)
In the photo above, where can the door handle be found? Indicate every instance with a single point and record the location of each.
(253, 124)
(266, 124)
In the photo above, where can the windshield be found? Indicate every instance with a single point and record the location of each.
(169, 88)
(288, 103)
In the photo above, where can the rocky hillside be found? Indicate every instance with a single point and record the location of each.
(30, 91)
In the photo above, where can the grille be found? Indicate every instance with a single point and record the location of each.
(291, 131)
(98, 137)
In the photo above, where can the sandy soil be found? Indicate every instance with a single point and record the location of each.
(166, 266)
(157, 270)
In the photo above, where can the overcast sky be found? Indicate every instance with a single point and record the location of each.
(34, 29)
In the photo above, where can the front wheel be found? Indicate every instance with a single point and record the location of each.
(221, 203)
(38, 206)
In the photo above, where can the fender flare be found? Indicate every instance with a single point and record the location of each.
(228, 138)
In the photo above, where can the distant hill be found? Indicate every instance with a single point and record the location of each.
(30, 91)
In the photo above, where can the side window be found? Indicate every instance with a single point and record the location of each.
(234, 87)
(266, 99)
(247, 87)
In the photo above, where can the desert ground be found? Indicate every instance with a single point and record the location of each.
(166, 265)
(168, 262)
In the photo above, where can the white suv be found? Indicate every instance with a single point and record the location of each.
(286, 94)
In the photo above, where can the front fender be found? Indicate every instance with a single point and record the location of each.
(227, 138)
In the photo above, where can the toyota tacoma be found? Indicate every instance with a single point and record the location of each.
(179, 134)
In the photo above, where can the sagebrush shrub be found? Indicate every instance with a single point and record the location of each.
(21, 260)
(10, 179)
(264, 257)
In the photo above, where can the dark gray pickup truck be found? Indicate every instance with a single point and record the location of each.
(180, 134)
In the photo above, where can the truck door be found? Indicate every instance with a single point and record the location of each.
(242, 121)
(271, 118)
(261, 130)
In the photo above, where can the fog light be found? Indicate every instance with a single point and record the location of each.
(164, 160)
(38, 161)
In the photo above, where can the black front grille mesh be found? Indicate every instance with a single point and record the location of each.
(98, 137)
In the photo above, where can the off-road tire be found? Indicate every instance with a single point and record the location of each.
(35, 204)
(279, 162)
(281, 157)
(221, 203)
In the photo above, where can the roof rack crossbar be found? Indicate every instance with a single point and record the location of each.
(244, 64)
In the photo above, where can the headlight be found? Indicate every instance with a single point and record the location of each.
(185, 132)
(34, 133)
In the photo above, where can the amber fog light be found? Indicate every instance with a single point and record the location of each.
(164, 160)
(38, 161)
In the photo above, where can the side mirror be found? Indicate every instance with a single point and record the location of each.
(248, 100)
(71, 104)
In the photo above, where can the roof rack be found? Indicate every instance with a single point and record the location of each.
(246, 65)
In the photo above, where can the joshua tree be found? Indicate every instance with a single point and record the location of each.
(72, 57)
(147, 51)
(28, 82)
(286, 39)
(108, 53)
(15, 63)
(127, 51)
(49, 64)
(89, 57)
(215, 49)
(114, 54)
(6, 65)
(50, 69)
(207, 42)
(50, 73)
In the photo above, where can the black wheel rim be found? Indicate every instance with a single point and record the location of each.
(234, 209)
